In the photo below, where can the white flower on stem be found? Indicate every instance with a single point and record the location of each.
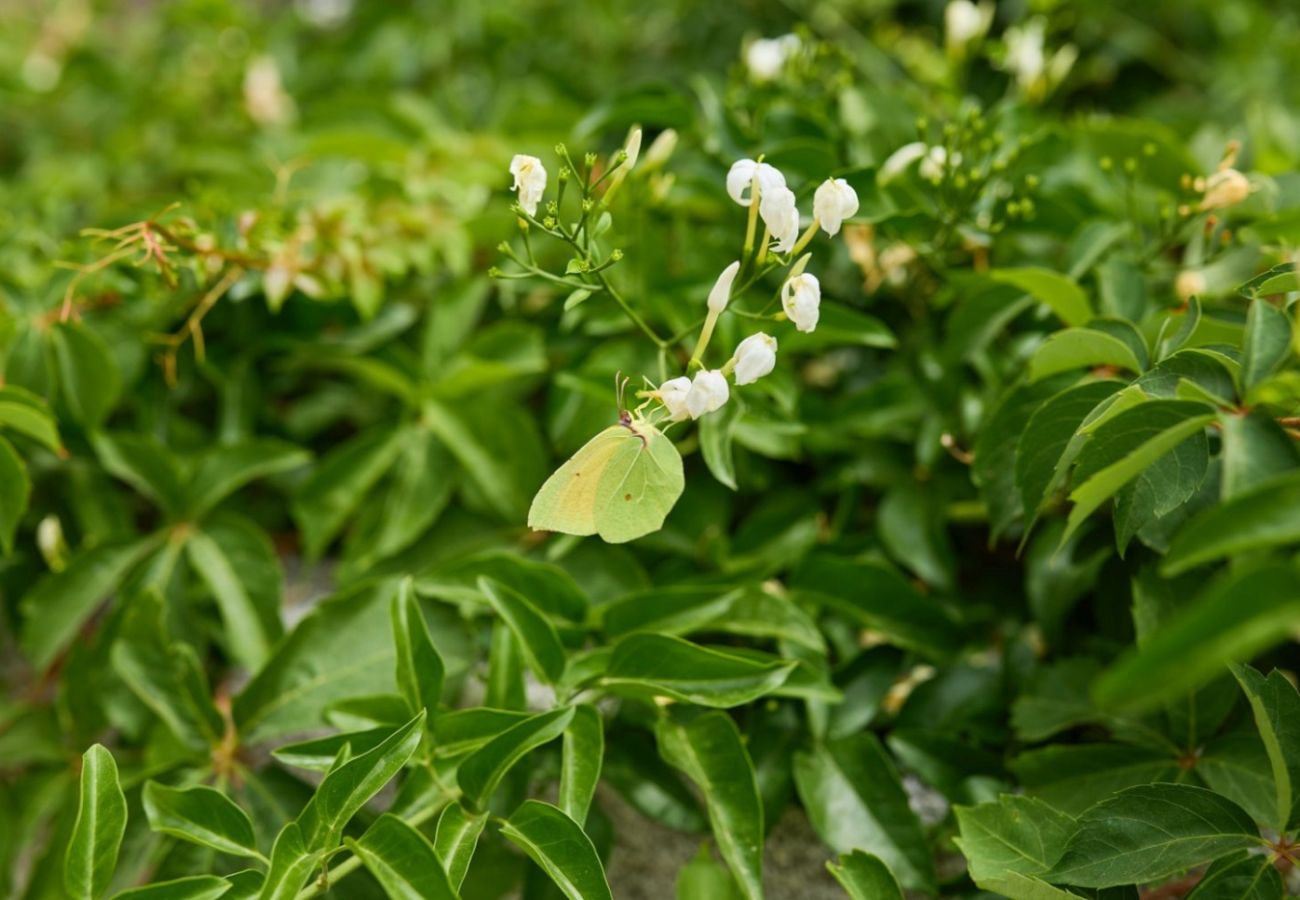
(776, 206)
(530, 181)
(898, 161)
(766, 57)
(708, 392)
(721, 291)
(741, 176)
(834, 202)
(755, 357)
(1226, 187)
(801, 298)
(964, 23)
(672, 394)
(265, 98)
(633, 146)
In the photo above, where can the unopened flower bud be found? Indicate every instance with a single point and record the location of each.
(755, 357)
(834, 202)
(672, 394)
(801, 299)
(721, 291)
(709, 391)
(530, 181)
(1225, 188)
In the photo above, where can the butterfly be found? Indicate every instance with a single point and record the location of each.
(620, 485)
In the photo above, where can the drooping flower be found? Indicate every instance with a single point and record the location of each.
(777, 208)
(755, 357)
(530, 181)
(721, 291)
(801, 298)
(708, 392)
(741, 176)
(766, 57)
(672, 394)
(834, 202)
(1226, 187)
(964, 23)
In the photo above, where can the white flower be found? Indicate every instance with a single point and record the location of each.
(633, 146)
(721, 292)
(801, 298)
(265, 99)
(1226, 187)
(935, 159)
(741, 175)
(766, 57)
(834, 202)
(899, 160)
(672, 394)
(530, 181)
(709, 391)
(755, 357)
(777, 208)
(964, 23)
(1027, 60)
(660, 149)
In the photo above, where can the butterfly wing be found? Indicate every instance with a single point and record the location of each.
(567, 501)
(639, 486)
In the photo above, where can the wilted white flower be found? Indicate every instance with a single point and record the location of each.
(1226, 187)
(265, 99)
(741, 175)
(801, 298)
(755, 357)
(672, 394)
(530, 181)
(721, 292)
(766, 57)
(777, 208)
(964, 23)
(709, 391)
(834, 202)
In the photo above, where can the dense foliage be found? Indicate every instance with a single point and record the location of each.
(989, 573)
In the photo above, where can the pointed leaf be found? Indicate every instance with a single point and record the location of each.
(1012, 834)
(481, 772)
(1059, 292)
(1266, 344)
(291, 865)
(865, 877)
(88, 378)
(145, 464)
(580, 759)
(536, 636)
(1276, 707)
(419, 666)
(1267, 515)
(236, 560)
(456, 839)
(1240, 878)
(675, 668)
(561, 848)
(91, 856)
(402, 861)
(223, 470)
(202, 815)
(195, 887)
(338, 484)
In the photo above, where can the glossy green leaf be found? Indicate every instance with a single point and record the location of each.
(481, 772)
(1077, 348)
(1267, 515)
(1276, 707)
(1014, 834)
(536, 636)
(1058, 292)
(717, 436)
(1073, 777)
(193, 887)
(710, 751)
(560, 847)
(15, 488)
(703, 879)
(145, 464)
(1255, 450)
(672, 667)
(420, 669)
(1266, 344)
(1240, 877)
(221, 471)
(89, 381)
(402, 861)
(581, 755)
(456, 839)
(865, 877)
(238, 563)
(202, 815)
(91, 855)
(292, 864)
(27, 414)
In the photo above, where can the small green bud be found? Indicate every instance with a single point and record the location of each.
(1026, 207)
(494, 272)
(959, 181)
(588, 205)
(564, 174)
(503, 247)
(553, 207)
(1130, 165)
(620, 157)
(561, 150)
(1013, 209)
(616, 254)
(1106, 163)
(549, 221)
(1148, 149)
(922, 123)
(1031, 182)
(999, 165)
(590, 159)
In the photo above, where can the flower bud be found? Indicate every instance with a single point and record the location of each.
(766, 57)
(721, 292)
(801, 298)
(741, 175)
(1189, 283)
(530, 181)
(661, 148)
(777, 208)
(633, 146)
(834, 202)
(672, 394)
(964, 23)
(1225, 188)
(755, 357)
(708, 392)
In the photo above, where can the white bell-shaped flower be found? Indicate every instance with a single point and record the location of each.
(766, 57)
(708, 392)
(741, 176)
(530, 181)
(834, 202)
(721, 292)
(755, 357)
(672, 394)
(777, 209)
(964, 23)
(801, 298)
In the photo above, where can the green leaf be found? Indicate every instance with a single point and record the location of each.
(1048, 434)
(865, 877)
(145, 464)
(1276, 707)
(480, 450)
(1267, 515)
(91, 856)
(291, 865)
(338, 484)
(1266, 344)
(717, 434)
(481, 772)
(88, 377)
(855, 801)
(1076, 348)
(346, 789)
(1072, 778)
(420, 669)
(238, 563)
(320, 754)
(1056, 291)
(1255, 450)
(1015, 834)
(61, 602)
(28, 414)
(561, 848)
(910, 527)
(221, 471)
(672, 667)
(710, 751)
(1127, 444)
(456, 839)
(1151, 832)
(1237, 615)
(402, 861)
(15, 489)
(419, 485)
(195, 887)
(202, 815)
(536, 636)
(703, 879)
(1240, 877)
(580, 759)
